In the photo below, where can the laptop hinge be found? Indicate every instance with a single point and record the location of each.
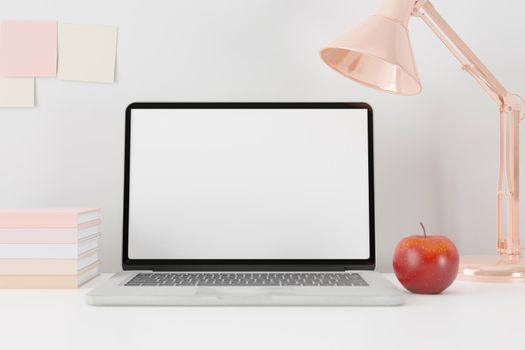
(247, 267)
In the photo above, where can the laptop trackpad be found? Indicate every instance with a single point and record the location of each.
(245, 291)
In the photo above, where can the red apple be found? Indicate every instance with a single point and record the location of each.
(426, 264)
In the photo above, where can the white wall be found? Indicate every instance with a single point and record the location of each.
(436, 153)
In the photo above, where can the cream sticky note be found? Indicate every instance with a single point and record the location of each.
(28, 48)
(17, 92)
(87, 52)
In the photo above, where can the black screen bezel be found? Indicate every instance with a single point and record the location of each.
(248, 264)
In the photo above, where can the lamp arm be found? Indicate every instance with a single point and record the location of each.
(510, 106)
(469, 61)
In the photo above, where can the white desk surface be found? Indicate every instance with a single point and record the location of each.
(466, 316)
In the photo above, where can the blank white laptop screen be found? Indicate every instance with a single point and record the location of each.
(249, 184)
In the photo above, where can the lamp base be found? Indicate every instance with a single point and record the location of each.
(497, 268)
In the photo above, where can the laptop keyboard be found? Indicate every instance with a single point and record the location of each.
(170, 279)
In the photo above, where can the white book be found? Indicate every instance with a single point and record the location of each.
(48, 251)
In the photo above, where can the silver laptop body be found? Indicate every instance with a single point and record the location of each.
(248, 204)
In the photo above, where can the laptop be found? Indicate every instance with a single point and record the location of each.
(248, 204)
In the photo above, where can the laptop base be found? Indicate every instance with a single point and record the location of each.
(114, 292)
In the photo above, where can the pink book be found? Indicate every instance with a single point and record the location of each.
(50, 281)
(46, 217)
(48, 234)
(48, 266)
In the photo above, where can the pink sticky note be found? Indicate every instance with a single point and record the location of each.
(28, 48)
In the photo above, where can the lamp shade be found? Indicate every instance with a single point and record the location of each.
(377, 53)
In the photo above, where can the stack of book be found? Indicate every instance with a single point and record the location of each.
(48, 248)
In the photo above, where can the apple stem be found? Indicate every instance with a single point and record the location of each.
(424, 231)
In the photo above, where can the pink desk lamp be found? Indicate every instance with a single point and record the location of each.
(378, 54)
